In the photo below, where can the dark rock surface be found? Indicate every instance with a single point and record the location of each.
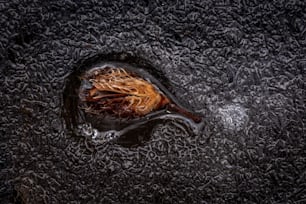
(242, 65)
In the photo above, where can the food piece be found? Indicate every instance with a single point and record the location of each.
(121, 93)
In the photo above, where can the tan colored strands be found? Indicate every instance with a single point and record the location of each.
(121, 93)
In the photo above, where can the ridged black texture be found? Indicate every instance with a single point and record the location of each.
(242, 65)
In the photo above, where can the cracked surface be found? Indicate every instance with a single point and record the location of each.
(215, 55)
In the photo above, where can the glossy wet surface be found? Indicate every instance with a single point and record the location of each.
(98, 102)
(241, 66)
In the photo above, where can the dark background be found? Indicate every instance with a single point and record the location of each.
(242, 64)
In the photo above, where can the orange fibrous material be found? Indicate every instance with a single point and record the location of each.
(122, 93)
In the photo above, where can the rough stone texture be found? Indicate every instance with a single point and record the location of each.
(242, 64)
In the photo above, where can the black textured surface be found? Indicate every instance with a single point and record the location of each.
(242, 65)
